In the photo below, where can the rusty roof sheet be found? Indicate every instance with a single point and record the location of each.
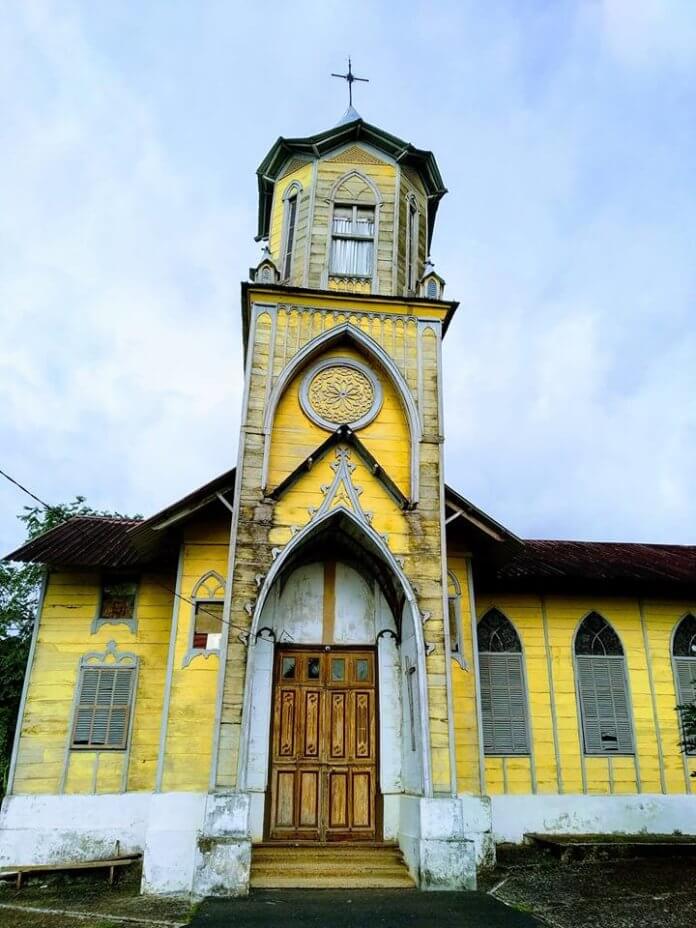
(85, 541)
(552, 565)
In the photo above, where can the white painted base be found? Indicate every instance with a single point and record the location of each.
(169, 857)
(439, 854)
(223, 849)
(56, 829)
(200, 844)
(645, 813)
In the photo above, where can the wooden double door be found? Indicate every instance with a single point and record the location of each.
(323, 746)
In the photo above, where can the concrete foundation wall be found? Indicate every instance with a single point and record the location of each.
(53, 829)
(514, 816)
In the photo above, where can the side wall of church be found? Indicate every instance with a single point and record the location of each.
(45, 763)
(556, 762)
(190, 701)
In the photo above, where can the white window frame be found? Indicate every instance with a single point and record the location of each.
(110, 659)
(454, 607)
(678, 659)
(292, 193)
(412, 238)
(210, 588)
(132, 623)
(519, 656)
(582, 720)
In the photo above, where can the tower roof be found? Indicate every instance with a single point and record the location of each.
(351, 128)
(350, 115)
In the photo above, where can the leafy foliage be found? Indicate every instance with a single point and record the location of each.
(20, 586)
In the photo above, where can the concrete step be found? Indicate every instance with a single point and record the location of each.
(333, 881)
(328, 867)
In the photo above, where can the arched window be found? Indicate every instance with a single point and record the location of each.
(684, 662)
(600, 671)
(207, 603)
(353, 225)
(503, 692)
(411, 243)
(454, 602)
(291, 198)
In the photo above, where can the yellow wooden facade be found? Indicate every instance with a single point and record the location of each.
(191, 728)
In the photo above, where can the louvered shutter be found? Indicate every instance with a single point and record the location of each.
(503, 708)
(685, 673)
(604, 706)
(103, 707)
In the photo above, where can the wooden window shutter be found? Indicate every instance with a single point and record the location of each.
(685, 674)
(604, 705)
(503, 704)
(104, 705)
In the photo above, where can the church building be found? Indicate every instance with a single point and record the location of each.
(327, 666)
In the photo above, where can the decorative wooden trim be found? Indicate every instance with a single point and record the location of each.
(192, 651)
(552, 694)
(164, 725)
(25, 684)
(653, 695)
(477, 675)
(320, 344)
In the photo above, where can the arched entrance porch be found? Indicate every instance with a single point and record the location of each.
(337, 586)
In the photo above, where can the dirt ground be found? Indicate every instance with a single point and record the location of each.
(92, 895)
(598, 893)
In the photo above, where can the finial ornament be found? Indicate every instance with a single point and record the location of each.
(350, 77)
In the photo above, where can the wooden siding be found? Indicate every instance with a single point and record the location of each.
(64, 636)
(312, 232)
(295, 436)
(557, 762)
(190, 736)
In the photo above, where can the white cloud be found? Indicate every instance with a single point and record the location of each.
(564, 132)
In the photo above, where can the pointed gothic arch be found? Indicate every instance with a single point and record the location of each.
(358, 175)
(505, 711)
(601, 685)
(346, 332)
(376, 547)
(210, 586)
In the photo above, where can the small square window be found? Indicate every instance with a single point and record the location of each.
(288, 669)
(362, 670)
(118, 598)
(207, 630)
(338, 669)
(313, 668)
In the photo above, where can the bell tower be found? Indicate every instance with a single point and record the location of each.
(352, 210)
(339, 491)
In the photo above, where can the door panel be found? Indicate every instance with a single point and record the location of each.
(324, 746)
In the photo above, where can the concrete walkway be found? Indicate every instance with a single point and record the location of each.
(360, 909)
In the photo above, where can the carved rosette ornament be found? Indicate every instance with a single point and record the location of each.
(340, 391)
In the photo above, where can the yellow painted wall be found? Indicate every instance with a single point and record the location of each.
(303, 176)
(189, 741)
(292, 509)
(560, 765)
(295, 436)
(312, 234)
(69, 607)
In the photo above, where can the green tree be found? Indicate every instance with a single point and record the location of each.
(20, 586)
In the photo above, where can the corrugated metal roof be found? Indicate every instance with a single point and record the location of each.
(551, 565)
(85, 541)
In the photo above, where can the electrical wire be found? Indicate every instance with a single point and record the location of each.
(163, 586)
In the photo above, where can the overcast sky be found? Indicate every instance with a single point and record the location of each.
(565, 131)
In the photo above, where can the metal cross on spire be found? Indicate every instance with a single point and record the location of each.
(350, 77)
